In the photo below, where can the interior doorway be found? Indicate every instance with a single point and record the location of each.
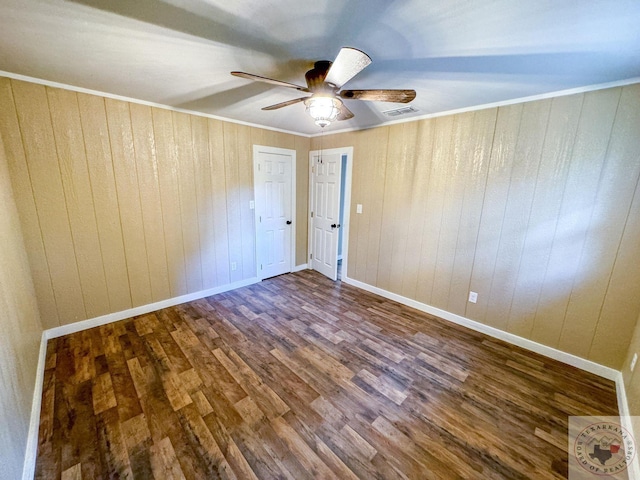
(274, 193)
(329, 213)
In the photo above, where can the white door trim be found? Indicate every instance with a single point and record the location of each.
(277, 151)
(348, 151)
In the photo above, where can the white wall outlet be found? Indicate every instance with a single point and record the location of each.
(358, 208)
(473, 297)
(252, 204)
(234, 265)
(633, 361)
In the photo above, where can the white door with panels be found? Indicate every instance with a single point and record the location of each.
(326, 172)
(274, 209)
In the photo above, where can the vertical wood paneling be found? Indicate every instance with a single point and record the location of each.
(545, 208)
(20, 327)
(119, 121)
(146, 164)
(219, 197)
(452, 209)
(35, 124)
(204, 197)
(544, 228)
(376, 144)
(392, 211)
(105, 199)
(170, 200)
(188, 201)
(24, 197)
(232, 177)
(632, 379)
(477, 153)
(589, 150)
(621, 300)
(493, 208)
(67, 129)
(123, 205)
(419, 181)
(533, 127)
(302, 146)
(402, 147)
(608, 220)
(440, 167)
(247, 219)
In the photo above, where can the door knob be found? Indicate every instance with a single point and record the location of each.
(335, 226)
(288, 222)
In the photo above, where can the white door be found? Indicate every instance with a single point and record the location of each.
(326, 172)
(273, 209)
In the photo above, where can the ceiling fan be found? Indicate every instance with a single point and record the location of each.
(324, 81)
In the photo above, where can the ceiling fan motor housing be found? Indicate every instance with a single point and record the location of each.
(315, 77)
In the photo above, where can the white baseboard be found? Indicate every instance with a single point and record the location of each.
(587, 365)
(550, 352)
(31, 452)
(299, 268)
(29, 466)
(573, 360)
(141, 310)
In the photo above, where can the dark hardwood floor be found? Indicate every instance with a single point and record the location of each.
(299, 377)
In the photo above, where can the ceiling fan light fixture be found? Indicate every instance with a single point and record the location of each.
(323, 110)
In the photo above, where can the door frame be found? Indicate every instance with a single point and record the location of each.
(348, 151)
(257, 149)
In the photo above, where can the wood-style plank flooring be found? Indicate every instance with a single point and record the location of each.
(299, 377)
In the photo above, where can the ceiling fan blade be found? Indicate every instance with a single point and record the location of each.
(284, 104)
(348, 63)
(345, 113)
(396, 96)
(258, 78)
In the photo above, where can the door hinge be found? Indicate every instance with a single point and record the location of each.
(260, 266)
(311, 256)
(258, 166)
(311, 214)
(260, 218)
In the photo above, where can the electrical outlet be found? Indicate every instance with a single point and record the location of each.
(473, 297)
(234, 266)
(252, 204)
(359, 208)
(633, 361)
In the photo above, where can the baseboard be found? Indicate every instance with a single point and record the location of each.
(569, 359)
(587, 365)
(31, 452)
(141, 310)
(583, 364)
(299, 268)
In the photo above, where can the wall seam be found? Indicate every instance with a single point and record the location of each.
(595, 200)
(66, 203)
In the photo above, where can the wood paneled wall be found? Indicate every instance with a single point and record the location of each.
(20, 333)
(123, 204)
(535, 206)
(632, 378)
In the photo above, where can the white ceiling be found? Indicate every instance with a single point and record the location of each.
(454, 53)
